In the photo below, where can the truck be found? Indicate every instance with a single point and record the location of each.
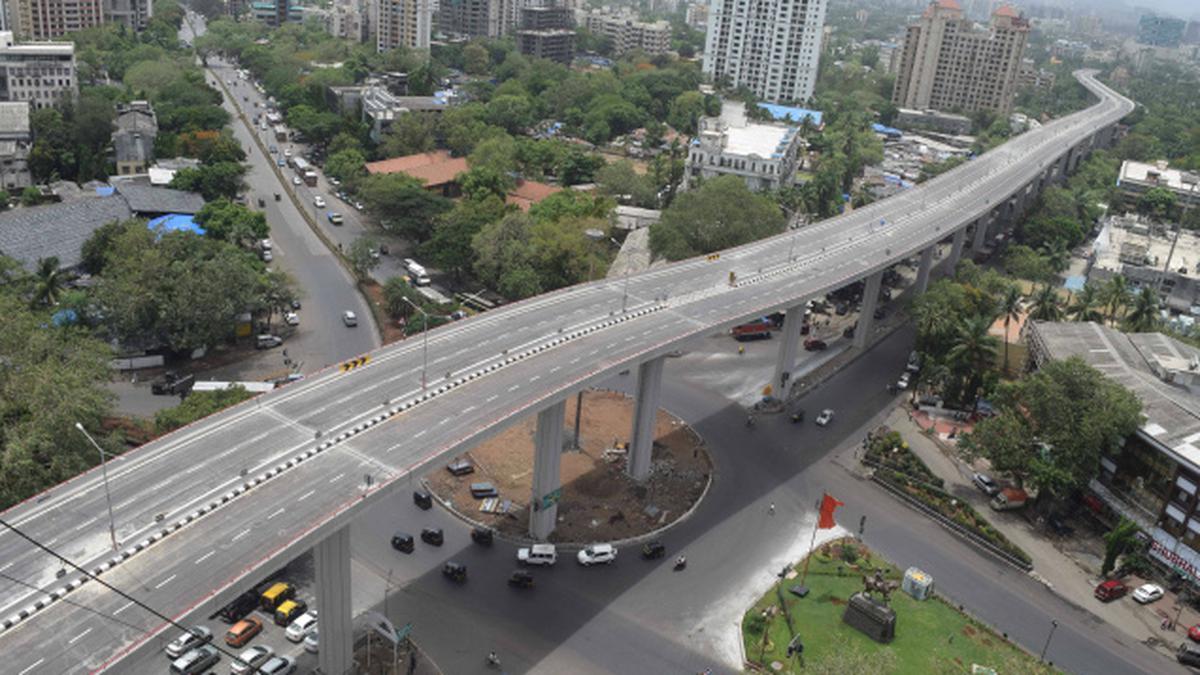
(1008, 499)
(416, 272)
(754, 330)
(281, 133)
(310, 178)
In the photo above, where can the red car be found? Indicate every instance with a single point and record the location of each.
(1194, 633)
(1110, 590)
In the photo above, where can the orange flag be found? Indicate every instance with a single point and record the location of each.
(828, 505)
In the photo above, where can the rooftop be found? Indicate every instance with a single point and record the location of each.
(431, 168)
(58, 230)
(14, 117)
(789, 113)
(529, 192)
(1162, 372)
(146, 200)
(1158, 174)
(744, 137)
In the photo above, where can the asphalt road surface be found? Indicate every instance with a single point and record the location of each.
(204, 512)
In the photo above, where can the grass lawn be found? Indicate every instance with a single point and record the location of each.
(931, 636)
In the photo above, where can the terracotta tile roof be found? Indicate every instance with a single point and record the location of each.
(431, 168)
(529, 192)
(1006, 10)
(398, 164)
(441, 173)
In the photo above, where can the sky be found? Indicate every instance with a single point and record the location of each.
(1186, 9)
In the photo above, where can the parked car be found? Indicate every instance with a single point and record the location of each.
(280, 162)
(482, 536)
(814, 345)
(483, 490)
(273, 149)
(243, 631)
(240, 607)
(249, 660)
(904, 381)
(597, 554)
(460, 467)
(1110, 590)
(196, 661)
(825, 418)
(1188, 655)
(350, 319)
(312, 642)
(287, 152)
(193, 638)
(1194, 633)
(267, 341)
(302, 626)
(289, 611)
(297, 181)
(278, 665)
(1147, 593)
(455, 571)
(403, 542)
(433, 536)
(984, 482)
(291, 319)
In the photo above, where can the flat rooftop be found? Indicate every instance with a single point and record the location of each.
(1159, 174)
(1161, 371)
(1126, 241)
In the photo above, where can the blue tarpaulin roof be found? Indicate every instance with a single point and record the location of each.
(175, 222)
(792, 113)
(1074, 284)
(886, 131)
(105, 191)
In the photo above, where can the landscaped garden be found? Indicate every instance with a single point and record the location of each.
(931, 635)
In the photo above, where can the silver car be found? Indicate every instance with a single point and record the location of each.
(194, 637)
(249, 660)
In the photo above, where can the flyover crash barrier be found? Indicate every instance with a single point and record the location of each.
(955, 528)
(347, 431)
(347, 366)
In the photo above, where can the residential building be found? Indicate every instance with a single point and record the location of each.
(1149, 254)
(275, 13)
(696, 16)
(771, 47)
(546, 33)
(48, 19)
(41, 73)
(406, 23)
(933, 120)
(134, 14)
(1154, 478)
(133, 140)
(16, 139)
(765, 155)
(1031, 77)
(347, 21)
(1136, 178)
(466, 18)
(949, 64)
(626, 32)
(1160, 31)
(380, 108)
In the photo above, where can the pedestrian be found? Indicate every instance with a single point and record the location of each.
(771, 509)
(741, 350)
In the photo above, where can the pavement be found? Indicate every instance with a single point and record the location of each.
(1059, 562)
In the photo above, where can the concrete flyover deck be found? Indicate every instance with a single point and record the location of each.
(203, 513)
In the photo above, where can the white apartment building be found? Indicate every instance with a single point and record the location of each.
(771, 47)
(402, 22)
(135, 14)
(48, 19)
(41, 73)
(765, 155)
(625, 31)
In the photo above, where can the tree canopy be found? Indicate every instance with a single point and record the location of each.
(721, 213)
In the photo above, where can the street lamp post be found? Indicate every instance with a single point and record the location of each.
(1053, 625)
(112, 530)
(625, 292)
(424, 341)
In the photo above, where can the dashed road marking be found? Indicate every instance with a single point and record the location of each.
(79, 637)
(281, 510)
(166, 581)
(241, 534)
(123, 607)
(35, 665)
(514, 387)
(206, 556)
(491, 398)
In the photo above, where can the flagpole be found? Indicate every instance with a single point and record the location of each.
(813, 541)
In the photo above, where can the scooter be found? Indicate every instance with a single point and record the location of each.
(680, 563)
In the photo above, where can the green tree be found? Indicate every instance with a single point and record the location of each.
(622, 182)
(277, 291)
(1046, 305)
(1023, 262)
(721, 213)
(1115, 296)
(1117, 541)
(363, 255)
(512, 113)
(1157, 202)
(48, 283)
(234, 223)
(476, 59)
(410, 134)
(212, 181)
(348, 166)
(198, 405)
(1086, 305)
(1143, 317)
(1010, 310)
(450, 248)
(972, 355)
(570, 204)
(685, 112)
(403, 205)
(396, 291)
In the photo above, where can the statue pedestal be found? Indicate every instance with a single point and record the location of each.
(871, 617)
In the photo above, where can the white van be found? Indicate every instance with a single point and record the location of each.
(538, 554)
(416, 272)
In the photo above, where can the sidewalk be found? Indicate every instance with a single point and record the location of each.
(1069, 566)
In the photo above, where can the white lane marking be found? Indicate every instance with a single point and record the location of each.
(555, 369)
(35, 665)
(514, 387)
(535, 378)
(123, 607)
(491, 398)
(79, 637)
(467, 409)
(281, 510)
(206, 556)
(310, 493)
(84, 524)
(420, 433)
(8, 566)
(166, 581)
(241, 534)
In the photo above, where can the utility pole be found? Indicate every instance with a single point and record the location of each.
(112, 530)
(424, 342)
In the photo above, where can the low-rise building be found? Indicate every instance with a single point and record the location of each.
(946, 123)
(1149, 254)
(626, 31)
(1154, 478)
(1137, 178)
(439, 172)
(1032, 77)
(16, 139)
(42, 73)
(765, 155)
(133, 140)
(380, 108)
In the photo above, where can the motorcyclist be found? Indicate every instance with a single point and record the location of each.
(680, 561)
(493, 659)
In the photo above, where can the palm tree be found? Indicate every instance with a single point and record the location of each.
(1046, 306)
(1057, 255)
(48, 283)
(1116, 295)
(973, 353)
(1010, 310)
(1085, 306)
(1144, 315)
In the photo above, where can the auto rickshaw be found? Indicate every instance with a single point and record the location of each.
(276, 196)
(455, 571)
(653, 549)
(520, 579)
(798, 416)
(482, 536)
(261, 202)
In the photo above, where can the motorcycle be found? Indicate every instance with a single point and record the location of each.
(680, 563)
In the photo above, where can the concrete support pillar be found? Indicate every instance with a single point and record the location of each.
(332, 561)
(547, 479)
(641, 439)
(956, 249)
(981, 227)
(786, 358)
(923, 269)
(867, 316)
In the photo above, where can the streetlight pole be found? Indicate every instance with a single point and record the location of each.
(424, 341)
(625, 292)
(1053, 625)
(112, 530)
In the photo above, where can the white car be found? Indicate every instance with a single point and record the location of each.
(266, 244)
(596, 554)
(1147, 593)
(193, 638)
(287, 152)
(312, 641)
(538, 554)
(291, 319)
(319, 202)
(267, 255)
(278, 665)
(825, 418)
(904, 381)
(302, 626)
(350, 319)
(249, 660)
(296, 180)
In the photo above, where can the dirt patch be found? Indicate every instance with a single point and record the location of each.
(599, 501)
(969, 631)
(836, 601)
(389, 330)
